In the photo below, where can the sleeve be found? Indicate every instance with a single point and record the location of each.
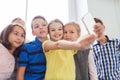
(75, 51)
(119, 45)
(92, 67)
(23, 58)
(119, 55)
(44, 44)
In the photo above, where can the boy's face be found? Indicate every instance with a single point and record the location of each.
(56, 31)
(99, 29)
(39, 28)
(71, 33)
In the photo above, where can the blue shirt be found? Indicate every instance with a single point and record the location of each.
(33, 58)
(107, 59)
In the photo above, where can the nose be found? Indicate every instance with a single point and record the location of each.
(56, 31)
(67, 34)
(40, 27)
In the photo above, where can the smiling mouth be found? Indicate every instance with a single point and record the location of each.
(68, 38)
(41, 32)
(18, 43)
(57, 36)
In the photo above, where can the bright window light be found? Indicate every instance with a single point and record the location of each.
(50, 9)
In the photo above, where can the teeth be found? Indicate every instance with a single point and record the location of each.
(57, 35)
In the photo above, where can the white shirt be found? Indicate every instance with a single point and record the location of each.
(7, 63)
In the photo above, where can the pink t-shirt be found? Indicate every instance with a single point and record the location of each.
(7, 63)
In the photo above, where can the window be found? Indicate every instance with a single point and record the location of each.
(11, 9)
(27, 9)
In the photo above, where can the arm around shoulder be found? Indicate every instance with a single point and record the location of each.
(80, 44)
(61, 44)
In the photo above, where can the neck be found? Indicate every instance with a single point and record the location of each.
(102, 39)
(11, 51)
(43, 39)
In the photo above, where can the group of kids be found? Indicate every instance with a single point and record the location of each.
(63, 56)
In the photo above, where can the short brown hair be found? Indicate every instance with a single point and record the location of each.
(97, 20)
(37, 17)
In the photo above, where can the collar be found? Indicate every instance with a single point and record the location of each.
(106, 38)
(37, 42)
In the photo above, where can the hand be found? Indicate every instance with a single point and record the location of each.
(86, 41)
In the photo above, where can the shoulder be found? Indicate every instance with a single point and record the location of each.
(29, 46)
(1, 46)
(113, 39)
(46, 41)
(116, 41)
(83, 53)
(33, 46)
(3, 49)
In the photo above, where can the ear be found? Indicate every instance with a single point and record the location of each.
(33, 33)
(79, 34)
(104, 27)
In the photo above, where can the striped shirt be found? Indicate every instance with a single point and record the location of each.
(107, 59)
(33, 58)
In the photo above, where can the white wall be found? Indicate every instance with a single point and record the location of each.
(108, 11)
(78, 8)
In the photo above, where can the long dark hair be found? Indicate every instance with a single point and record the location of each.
(4, 38)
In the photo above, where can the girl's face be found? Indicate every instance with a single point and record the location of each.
(16, 37)
(71, 33)
(39, 28)
(56, 31)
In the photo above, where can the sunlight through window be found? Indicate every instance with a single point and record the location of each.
(27, 9)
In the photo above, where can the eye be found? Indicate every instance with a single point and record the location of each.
(60, 29)
(15, 33)
(64, 32)
(52, 30)
(71, 32)
(23, 35)
(36, 26)
(44, 25)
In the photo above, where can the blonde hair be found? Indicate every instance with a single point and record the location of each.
(19, 21)
(76, 25)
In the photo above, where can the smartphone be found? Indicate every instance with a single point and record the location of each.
(89, 23)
